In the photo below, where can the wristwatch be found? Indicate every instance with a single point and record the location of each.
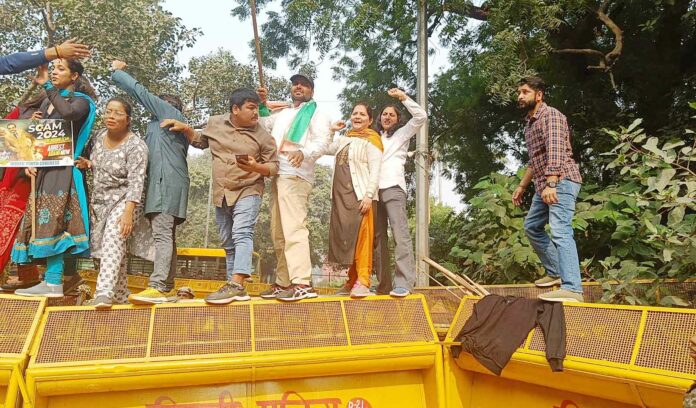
(551, 184)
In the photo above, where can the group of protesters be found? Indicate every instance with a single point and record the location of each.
(139, 191)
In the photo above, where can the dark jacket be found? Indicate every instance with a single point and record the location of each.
(499, 325)
(21, 61)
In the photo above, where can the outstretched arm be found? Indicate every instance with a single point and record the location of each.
(22, 61)
(153, 103)
(196, 139)
(418, 115)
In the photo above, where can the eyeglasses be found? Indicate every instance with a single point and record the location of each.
(116, 114)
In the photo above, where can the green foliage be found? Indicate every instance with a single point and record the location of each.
(139, 32)
(475, 125)
(642, 226)
(488, 239)
(214, 76)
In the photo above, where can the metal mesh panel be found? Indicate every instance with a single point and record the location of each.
(15, 323)
(593, 292)
(201, 330)
(467, 310)
(86, 335)
(524, 291)
(597, 333)
(665, 342)
(442, 303)
(387, 321)
(285, 326)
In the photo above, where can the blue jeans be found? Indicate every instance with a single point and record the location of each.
(558, 253)
(236, 225)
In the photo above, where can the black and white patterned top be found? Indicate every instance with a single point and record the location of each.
(118, 177)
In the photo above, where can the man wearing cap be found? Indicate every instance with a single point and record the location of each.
(299, 131)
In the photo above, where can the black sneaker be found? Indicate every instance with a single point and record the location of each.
(273, 291)
(228, 293)
(297, 292)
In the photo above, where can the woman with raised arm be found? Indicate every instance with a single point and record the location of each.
(118, 162)
(62, 220)
(391, 207)
(355, 182)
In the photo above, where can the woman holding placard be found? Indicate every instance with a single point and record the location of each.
(61, 224)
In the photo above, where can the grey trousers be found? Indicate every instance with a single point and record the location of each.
(391, 210)
(164, 235)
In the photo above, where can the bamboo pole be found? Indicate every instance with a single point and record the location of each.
(460, 280)
(257, 42)
(33, 207)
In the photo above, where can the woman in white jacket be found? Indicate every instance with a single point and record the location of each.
(355, 183)
(391, 206)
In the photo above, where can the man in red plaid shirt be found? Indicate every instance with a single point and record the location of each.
(557, 183)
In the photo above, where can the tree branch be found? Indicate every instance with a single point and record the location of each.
(49, 23)
(606, 61)
(468, 10)
(580, 51)
(612, 56)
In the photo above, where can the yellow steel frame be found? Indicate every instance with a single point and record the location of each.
(350, 346)
(12, 365)
(630, 371)
(151, 372)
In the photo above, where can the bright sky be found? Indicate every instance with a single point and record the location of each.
(221, 30)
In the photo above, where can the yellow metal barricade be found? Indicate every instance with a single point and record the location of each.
(326, 352)
(19, 321)
(617, 356)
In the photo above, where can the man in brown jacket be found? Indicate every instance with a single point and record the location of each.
(243, 154)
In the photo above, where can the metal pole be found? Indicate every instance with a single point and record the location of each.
(422, 162)
(207, 213)
(439, 181)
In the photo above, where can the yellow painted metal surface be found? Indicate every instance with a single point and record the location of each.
(377, 352)
(627, 355)
(19, 321)
(355, 391)
(332, 352)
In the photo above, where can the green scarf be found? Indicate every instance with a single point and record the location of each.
(264, 111)
(299, 125)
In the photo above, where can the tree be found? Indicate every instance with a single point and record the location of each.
(214, 76)
(607, 61)
(139, 32)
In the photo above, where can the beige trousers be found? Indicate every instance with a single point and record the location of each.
(289, 204)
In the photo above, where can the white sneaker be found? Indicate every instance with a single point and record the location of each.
(43, 289)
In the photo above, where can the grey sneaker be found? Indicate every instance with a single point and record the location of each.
(42, 289)
(272, 292)
(344, 291)
(548, 281)
(399, 292)
(101, 303)
(360, 291)
(228, 293)
(561, 295)
(297, 292)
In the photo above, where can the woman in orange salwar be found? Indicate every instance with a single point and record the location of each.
(355, 183)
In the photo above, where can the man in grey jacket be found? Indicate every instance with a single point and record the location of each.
(168, 183)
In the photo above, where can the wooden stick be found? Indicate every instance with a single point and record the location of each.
(460, 280)
(33, 207)
(257, 42)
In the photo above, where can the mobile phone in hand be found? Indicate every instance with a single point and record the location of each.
(242, 158)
